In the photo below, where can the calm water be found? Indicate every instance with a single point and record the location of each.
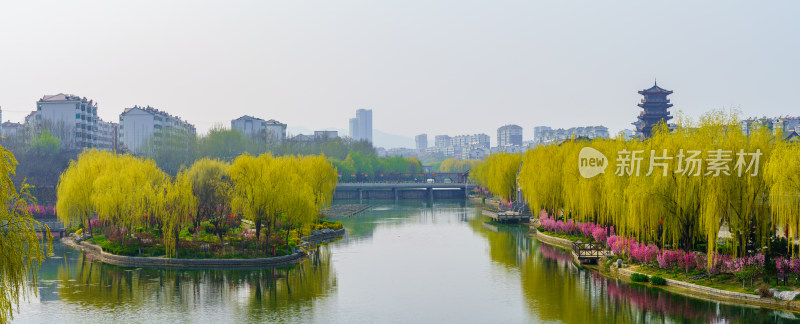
(409, 262)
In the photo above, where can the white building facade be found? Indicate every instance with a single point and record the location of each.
(70, 118)
(139, 125)
(269, 131)
(546, 135)
(361, 126)
(421, 141)
(509, 135)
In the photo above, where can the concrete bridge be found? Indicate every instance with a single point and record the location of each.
(396, 191)
(56, 227)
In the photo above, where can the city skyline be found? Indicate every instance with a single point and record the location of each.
(487, 65)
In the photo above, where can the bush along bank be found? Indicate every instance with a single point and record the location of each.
(756, 275)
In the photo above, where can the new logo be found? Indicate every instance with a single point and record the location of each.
(591, 162)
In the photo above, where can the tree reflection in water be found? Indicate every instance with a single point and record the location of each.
(251, 294)
(556, 290)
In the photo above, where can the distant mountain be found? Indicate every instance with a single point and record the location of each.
(387, 140)
(379, 138)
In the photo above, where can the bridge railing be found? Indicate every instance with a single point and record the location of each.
(588, 250)
(387, 177)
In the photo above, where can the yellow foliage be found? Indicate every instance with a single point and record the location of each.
(498, 173)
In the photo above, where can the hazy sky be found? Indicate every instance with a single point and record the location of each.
(439, 67)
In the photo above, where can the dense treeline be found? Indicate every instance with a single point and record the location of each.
(454, 165)
(676, 189)
(41, 161)
(127, 193)
(170, 150)
(498, 174)
(42, 158)
(367, 165)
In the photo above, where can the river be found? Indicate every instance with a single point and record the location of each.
(406, 262)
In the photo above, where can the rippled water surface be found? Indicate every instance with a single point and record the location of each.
(408, 262)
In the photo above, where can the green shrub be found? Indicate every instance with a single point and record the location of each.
(638, 277)
(658, 281)
(184, 234)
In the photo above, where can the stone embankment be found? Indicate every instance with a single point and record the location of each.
(97, 253)
(323, 235)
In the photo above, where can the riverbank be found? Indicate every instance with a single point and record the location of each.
(96, 252)
(676, 286)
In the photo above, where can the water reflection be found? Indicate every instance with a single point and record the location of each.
(557, 290)
(362, 226)
(255, 294)
(407, 262)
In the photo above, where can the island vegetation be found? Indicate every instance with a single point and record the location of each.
(255, 206)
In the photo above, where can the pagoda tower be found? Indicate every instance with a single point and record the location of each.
(655, 105)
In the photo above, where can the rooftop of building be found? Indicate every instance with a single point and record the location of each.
(655, 89)
(245, 117)
(155, 111)
(64, 97)
(11, 124)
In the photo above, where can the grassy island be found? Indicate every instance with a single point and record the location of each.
(253, 207)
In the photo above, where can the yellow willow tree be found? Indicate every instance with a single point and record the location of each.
(454, 165)
(322, 178)
(250, 192)
(540, 178)
(21, 251)
(577, 192)
(736, 194)
(663, 198)
(298, 205)
(212, 186)
(178, 206)
(782, 172)
(498, 173)
(127, 192)
(614, 181)
(75, 188)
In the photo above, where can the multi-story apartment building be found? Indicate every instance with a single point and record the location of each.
(474, 140)
(9, 129)
(139, 125)
(547, 135)
(422, 141)
(361, 126)
(108, 136)
(786, 125)
(443, 141)
(270, 131)
(509, 135)
(275, 132)
(71, 119)
(325, 135)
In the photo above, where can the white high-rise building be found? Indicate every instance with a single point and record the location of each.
(509, 135)
(361, 126)
(422, 141)
(71, 119)
(140, 124)
(474, 140)
(443, 141)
